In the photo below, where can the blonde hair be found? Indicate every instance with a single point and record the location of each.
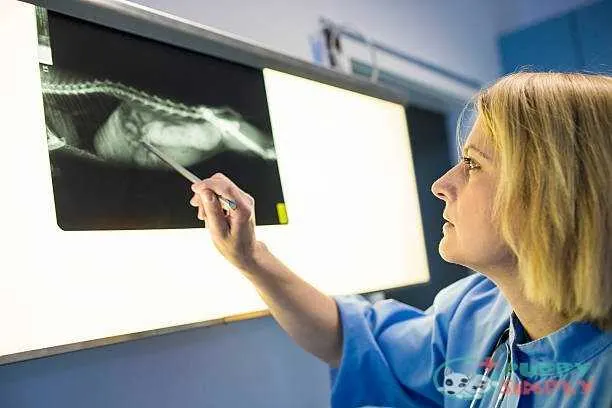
(552, 133)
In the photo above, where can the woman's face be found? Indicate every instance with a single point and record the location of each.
(471, 237)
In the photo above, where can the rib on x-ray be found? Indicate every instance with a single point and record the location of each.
(100, 104)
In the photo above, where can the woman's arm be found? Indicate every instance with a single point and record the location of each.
(306, 314)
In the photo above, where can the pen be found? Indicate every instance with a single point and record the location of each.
(226, 203)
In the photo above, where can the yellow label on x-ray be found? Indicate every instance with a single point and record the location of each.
(282, 213)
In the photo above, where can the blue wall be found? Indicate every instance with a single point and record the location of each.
(548, 45)
(594, 29)
(246, 364)
(577, 41)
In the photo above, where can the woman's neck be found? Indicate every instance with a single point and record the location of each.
(538, 321)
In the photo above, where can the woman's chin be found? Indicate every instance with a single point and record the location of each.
(446, 252)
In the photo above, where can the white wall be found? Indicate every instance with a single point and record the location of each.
(459, 36)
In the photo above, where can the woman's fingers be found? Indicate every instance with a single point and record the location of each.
(224, 187)
(232, 220)
(197, 202)
(232, 231)
(215, 218)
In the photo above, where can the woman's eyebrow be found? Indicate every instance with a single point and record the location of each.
(477, 150)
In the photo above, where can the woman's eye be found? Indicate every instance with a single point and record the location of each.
(470, 163)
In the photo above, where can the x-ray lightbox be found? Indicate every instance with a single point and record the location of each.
(99, 242)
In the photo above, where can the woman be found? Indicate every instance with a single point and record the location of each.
(528, 207)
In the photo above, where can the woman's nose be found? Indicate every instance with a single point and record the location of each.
(442, 188)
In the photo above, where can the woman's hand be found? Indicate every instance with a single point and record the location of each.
(232, 232)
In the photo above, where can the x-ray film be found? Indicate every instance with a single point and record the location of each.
(104, 91)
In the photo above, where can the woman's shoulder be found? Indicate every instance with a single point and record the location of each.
(474, 292)
(470, 301)
(476, 297)
(472, 284)
(481, 313)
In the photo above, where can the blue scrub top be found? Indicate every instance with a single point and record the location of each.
(395, 355)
